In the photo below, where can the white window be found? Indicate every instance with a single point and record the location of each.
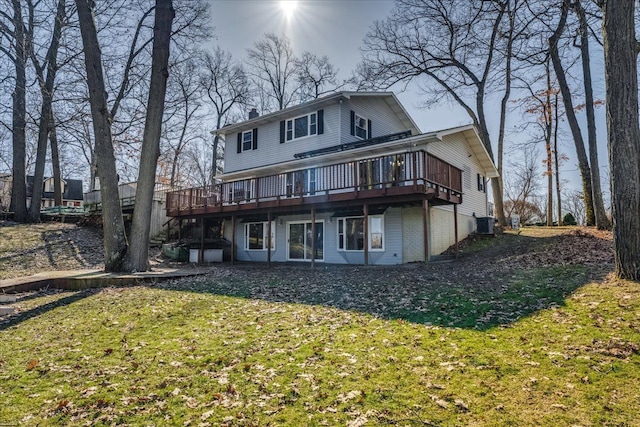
(351, 233)
(255, 236)
(302, 126)
(247, 140)
(361, 128)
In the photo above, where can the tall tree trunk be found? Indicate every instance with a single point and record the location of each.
(55, 163)
(115, 239)
(621, 79)
(138, 255)
(548, 126)
(19, 180)
(556, 156)
(602, 222)
(46, 90)
(498, 183)
(583, 161)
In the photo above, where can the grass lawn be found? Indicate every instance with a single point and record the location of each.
(532, 346)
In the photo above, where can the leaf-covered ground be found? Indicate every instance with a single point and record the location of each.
(523, 330)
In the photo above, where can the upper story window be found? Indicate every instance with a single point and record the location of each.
(482, 185)
(302, 126)
(360, 126)
(248, 140)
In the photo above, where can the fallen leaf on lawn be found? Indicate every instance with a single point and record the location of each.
(206, 415)
(32, 364)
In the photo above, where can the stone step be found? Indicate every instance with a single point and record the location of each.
(4, 298)
(6, 310)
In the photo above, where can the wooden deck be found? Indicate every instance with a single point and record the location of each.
(388, 180)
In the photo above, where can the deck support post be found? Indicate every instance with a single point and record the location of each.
(202, 234)
(233, 239)
(179, 231)
(425, 229)
(455, 226)
(313, 237)
(269, 238)
(365, 230)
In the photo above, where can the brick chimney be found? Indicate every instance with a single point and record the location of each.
(253, 114)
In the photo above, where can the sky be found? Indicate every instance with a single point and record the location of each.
(324, 27)
(336, 28)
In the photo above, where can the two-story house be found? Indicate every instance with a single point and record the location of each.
(347, 178)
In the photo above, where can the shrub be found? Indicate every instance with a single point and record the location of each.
(568, 219)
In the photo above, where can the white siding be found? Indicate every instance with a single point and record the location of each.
(383, 120)
(392, 253)
(455, 150)
(270, 151)
(337, 126)
(442, 231)
(412, 235)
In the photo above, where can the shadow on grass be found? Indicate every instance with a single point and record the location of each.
(20, 317)
(480, 303)
(484, 289)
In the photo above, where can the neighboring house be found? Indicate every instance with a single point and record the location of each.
(72, 195)
(347, 178)
(127, 194)
(5, 191)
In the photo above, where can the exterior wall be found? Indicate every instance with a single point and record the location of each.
(383, 119)
(337, 124)
(442, 231)
(455, 150)
(270, 151)
(392, 253)
(412, 235)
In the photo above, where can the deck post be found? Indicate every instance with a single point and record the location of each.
(425, 229)
(365, 229)
(233, 239)
(202, 234)
(455, 226)
(269, 238)
(179, 231)
(313, 237)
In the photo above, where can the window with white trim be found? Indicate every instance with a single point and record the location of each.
(256, 237)
(361, 127)
(302, 126)
(247, 140)
(351, 233)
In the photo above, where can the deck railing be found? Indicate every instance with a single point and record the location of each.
(404, 169)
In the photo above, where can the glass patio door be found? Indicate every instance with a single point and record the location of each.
(299, 241)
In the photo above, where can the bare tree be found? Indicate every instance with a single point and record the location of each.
(601, 220)
(272, 66)
(184, 114)
(573, 202)
(137, 258)
(316, 76)
(539, 105)
(459, 46)
(583, 161)
(18, 54)
(46, 82)
(521, 184)
(621, 78)
(226, 86)
(114, 241)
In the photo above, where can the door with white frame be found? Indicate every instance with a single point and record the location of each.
(299, 241)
